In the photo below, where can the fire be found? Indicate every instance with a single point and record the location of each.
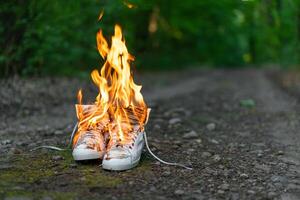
(119, 107)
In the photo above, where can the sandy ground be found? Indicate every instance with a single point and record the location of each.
(239, 130)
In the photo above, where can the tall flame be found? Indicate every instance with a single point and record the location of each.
(119, 105)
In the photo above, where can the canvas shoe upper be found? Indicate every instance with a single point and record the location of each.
(123, 156)
(89, 141)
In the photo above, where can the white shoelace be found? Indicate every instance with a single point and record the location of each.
(160, 160)
(145, 138)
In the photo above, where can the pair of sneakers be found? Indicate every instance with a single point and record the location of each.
(96, 142)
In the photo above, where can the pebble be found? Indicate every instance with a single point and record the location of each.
(279, 153)
(179, 192)
(214, 141)
(224, 186)
(156, 127)
(211, 126)
(5, 142)
(190, 135)
(205, 154)
(243, 175)
(166, 173)
(216, 158)
(174, 121)
(260, 155)
(58, 132)
(276, 178)
(251, 192)
(220, 192)
(152, 188)
(21, 143)
(199, 141)
(15, 151)
(131, 182)
(263, 167)
(57, 158)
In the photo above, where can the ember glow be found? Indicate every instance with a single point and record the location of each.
(119, 107)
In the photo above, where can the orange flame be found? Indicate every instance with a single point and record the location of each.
(119, 105)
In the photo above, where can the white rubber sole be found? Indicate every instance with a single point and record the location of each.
(86, 154)
(119, 167)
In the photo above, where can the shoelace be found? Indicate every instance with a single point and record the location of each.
(146, 142)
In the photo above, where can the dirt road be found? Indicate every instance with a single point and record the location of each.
(239, 130)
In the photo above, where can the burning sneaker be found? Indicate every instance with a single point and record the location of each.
(120, 110)
(90, 140)
(124, 154)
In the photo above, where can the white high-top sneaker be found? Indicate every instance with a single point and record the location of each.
(124, 156)
(89, 142)
(90, 145)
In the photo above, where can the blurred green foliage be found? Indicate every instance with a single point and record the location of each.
(58, 37)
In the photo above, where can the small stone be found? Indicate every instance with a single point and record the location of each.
(152, 188)
(216, 158)
(166, 173)
(220, 192)
(251, 192)
(58, 132)
(177, 142)
(205, 154)
(211, 126)
(179, 192)
(57, 158)
(224, 186)
(214, 141)
(199, 141)
(21, 143)
(5, 142)
(174, 121)
(15, 151)
(190, 135)
(131, 182)
(157, 163)
(263, 167)
(279, 153)
(243, 175)
(276, 178)
(157, 127)
(260, 155)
